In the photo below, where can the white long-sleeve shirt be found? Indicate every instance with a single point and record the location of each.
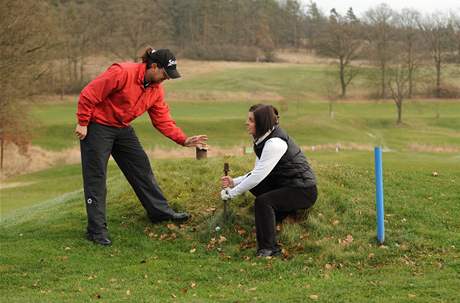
(272, 152)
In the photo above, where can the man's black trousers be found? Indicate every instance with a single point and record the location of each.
(122, 143)
(272, 204)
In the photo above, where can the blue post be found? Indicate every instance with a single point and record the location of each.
(379, 194)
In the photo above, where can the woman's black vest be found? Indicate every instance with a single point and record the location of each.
(292, 170)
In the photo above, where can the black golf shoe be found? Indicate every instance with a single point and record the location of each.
(99, 239)
(175, 217)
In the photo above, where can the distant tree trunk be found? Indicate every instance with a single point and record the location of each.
(398, 86)
(1, 152)
(410, 65)
(382, 79)
(82, 70)
(438, 75)
(61, 79)
(342, 78)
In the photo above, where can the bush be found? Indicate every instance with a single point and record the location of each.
(447, 91)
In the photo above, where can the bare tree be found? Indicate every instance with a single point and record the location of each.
(409, 38)
(77, 40)
(456, 34)
(314, 23)
(340, 40)
(380, 34)
(129, 28)
(398, 83)
(435, 30)
(25, 41)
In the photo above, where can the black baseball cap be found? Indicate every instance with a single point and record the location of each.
(164, 58)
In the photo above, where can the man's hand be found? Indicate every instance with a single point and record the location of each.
(81, 131)
(196, 141)
(225, 194)
(227, 181)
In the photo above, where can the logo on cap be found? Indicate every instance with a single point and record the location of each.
(171, 62)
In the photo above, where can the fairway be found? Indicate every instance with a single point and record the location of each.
(366, 123)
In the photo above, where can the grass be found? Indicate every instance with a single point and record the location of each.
(42, 187)
(331, 257)
(307, 121)
(215, 102)
(168, 263)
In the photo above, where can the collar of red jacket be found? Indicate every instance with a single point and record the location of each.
(140, 80)
(142, 69)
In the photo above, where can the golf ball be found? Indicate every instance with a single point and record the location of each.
(217, 228)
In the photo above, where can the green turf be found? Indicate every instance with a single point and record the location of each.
(45, 258)
(285, 80)
(307, 121)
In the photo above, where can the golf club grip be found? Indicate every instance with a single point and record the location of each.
(226, 168)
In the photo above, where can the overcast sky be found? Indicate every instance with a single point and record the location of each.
(360, 6)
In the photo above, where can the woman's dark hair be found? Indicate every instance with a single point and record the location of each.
(146, 57)
(265, 118)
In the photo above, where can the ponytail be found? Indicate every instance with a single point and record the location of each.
(146, 57)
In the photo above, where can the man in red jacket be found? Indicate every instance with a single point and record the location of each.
(105, 108)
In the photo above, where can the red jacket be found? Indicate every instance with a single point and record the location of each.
(117, 96)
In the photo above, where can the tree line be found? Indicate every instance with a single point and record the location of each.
(46, 44)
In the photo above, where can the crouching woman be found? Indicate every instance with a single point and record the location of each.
(282, 180)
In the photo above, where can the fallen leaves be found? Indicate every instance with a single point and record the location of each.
(314, 297)
(247, 244)
(214, 242)
(171, 226)
(347, 241)
(285, 253)
(63, 258)
(91, 277)
(163, 236)
(304, 236)
(210, 210)
(240, 230)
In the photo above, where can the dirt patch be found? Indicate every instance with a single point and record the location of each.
(14, 184)
(301, 57)
(338, 147)
(35, 159)
(221, 96)
(433, 149)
